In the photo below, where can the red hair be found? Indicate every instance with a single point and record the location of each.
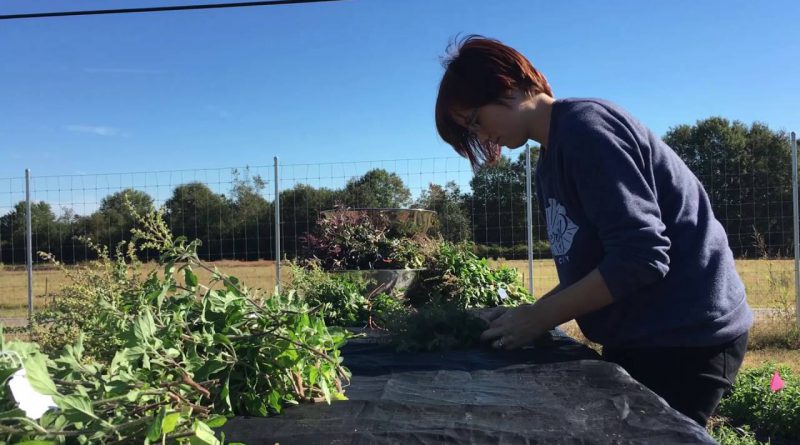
(480, 71)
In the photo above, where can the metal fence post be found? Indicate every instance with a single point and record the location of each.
(277, 229)
(529, 229)
(29, 241)
(796, 228)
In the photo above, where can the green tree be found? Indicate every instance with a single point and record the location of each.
(250, 226)
(497, 206)
(13, 240)
(377, 188)
(69, 227)
(448, 203)
(112, 222)
(300, 209)
(196, 212)
(747, 174)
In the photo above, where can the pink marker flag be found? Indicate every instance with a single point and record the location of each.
(777, 383)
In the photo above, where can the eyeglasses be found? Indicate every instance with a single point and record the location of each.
(473, 127)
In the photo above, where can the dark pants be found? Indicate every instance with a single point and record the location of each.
(691, 380)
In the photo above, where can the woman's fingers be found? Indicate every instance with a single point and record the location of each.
(491, 314)
(491, 334)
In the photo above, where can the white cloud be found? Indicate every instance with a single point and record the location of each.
(96, 130)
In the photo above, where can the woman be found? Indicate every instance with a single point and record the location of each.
(644, 266)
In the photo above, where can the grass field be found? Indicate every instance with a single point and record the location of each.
(769, 283)
(47, 281)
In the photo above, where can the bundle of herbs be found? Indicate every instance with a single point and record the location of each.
(456, 275)
(344, 299)
(168, 358)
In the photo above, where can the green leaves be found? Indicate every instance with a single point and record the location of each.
(216, 421)
(157, 426)
(274, 400)
(340, 296)
(438, 326)
(203, 435)
(36, 369)
(326, 392)
(753, 402)
(144, 327)
(190, 277)
(169, 422)
(163, 424)
(76, 408)
(210, 368)
(458, 276)
(163, 362)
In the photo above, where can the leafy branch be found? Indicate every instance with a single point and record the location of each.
(169, 358)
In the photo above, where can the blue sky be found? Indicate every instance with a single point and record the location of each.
(356, 80)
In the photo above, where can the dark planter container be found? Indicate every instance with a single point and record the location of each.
(400, 279)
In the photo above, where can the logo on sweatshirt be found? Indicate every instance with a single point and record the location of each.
(560, 229)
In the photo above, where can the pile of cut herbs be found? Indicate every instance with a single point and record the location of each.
(168, 359)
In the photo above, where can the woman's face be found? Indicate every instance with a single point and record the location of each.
(500, 123)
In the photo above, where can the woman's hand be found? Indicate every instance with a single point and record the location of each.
(514, 328)
(520, 326)
(491, 314)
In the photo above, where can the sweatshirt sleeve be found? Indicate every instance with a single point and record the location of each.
(613, 180)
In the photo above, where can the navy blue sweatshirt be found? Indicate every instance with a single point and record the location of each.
(617, 198)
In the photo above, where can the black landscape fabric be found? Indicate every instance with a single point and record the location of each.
(558, 392)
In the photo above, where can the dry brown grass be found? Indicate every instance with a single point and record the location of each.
(48, 281)
(766, 280)
(789, 357)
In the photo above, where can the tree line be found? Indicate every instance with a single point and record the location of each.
(746, 171)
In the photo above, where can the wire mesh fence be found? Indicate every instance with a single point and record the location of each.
(232, 211)
(222, 207)
(750, 189)
(13, 281)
